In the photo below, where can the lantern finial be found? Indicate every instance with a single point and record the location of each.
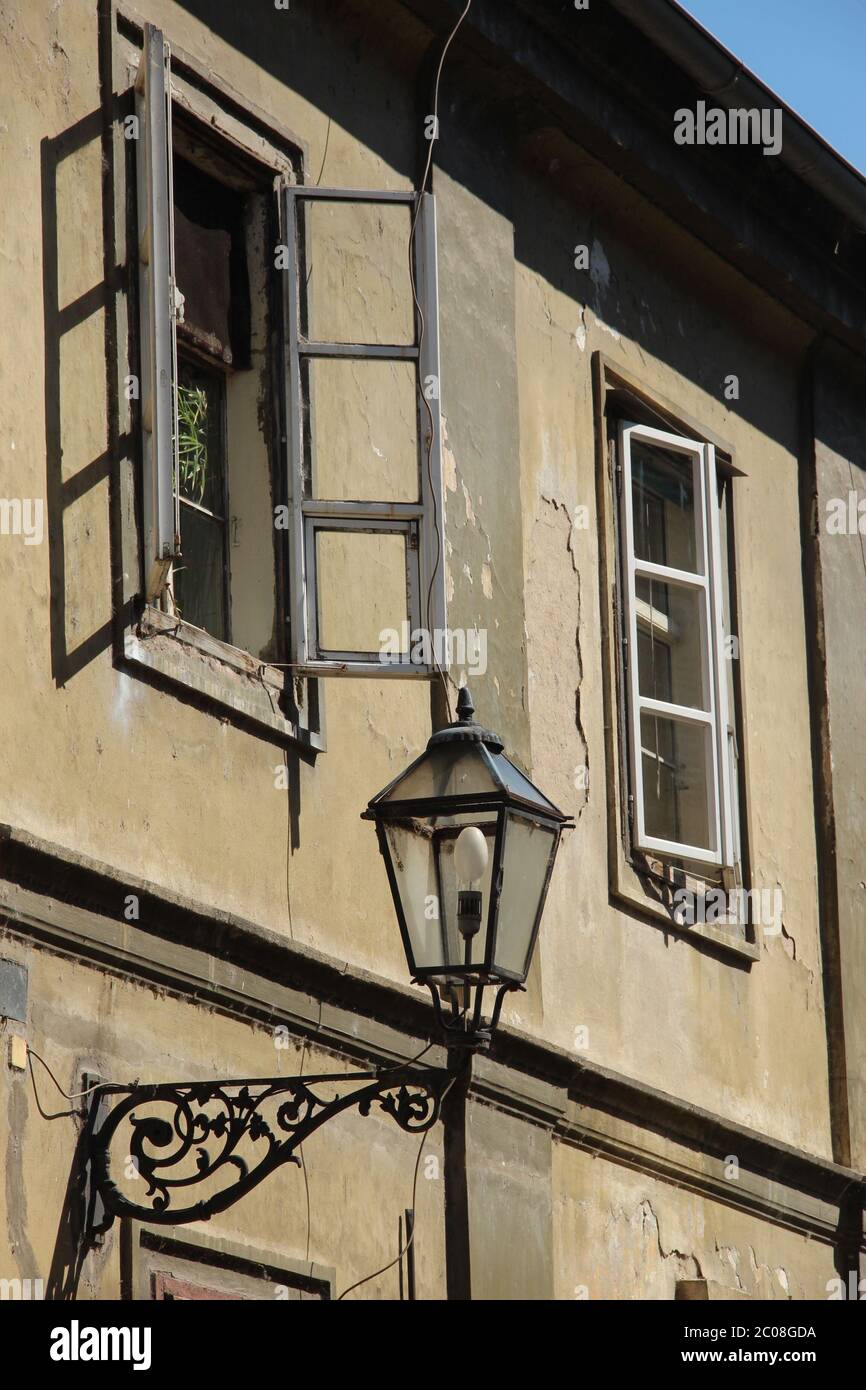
(465, 707)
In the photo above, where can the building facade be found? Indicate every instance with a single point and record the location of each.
(598, 450)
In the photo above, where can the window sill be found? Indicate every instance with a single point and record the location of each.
(725, 940)
(227, 677)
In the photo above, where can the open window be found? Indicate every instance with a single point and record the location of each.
(366, 516)
(207, 227)
(682, 752)
(351, 520)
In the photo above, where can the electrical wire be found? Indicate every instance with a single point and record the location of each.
(421, 331)
(442, 57)
(325, 155)
(70, 1095)
(398, 1257)
(398, 1066)
(74, 1113)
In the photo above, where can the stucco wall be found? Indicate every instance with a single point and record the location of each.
(616, 1230)
(142, 778)
(750, 1043)
(359, 1169)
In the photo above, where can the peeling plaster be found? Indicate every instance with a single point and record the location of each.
(470, 510)
(728, 1254)
(580, 331)
(449, 462)
(643, 1218)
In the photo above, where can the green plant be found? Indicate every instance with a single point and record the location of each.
(192, 421)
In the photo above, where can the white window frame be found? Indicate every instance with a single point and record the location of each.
(159, 307)
(721, 792)
(421, 523)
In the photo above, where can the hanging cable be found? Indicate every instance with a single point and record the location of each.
(70, 1095)
(325, 155)
(398, 1257)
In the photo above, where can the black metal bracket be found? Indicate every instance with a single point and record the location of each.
(464, 1027)
(177, 1140)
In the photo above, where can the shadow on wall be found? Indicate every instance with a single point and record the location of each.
(79, 409)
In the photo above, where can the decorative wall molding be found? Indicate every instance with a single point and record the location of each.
(245, 971)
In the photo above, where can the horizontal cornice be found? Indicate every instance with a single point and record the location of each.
(73, 905)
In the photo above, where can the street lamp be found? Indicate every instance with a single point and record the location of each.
(469, 845)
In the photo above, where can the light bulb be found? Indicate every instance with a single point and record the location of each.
(470, 854)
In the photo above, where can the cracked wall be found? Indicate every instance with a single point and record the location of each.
(616, 1231)
(747, 1042)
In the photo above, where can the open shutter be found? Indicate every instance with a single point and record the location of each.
(315, 519)
(157, 300)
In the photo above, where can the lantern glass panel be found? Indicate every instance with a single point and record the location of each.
(410, 846)
(440, 773)
(451, 885)
(527, 851)
(519, 785)
(422, 856)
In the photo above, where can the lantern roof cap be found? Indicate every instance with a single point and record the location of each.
(464, 729)
(464, 762)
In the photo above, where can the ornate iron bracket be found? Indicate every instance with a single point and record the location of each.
(176, 1140)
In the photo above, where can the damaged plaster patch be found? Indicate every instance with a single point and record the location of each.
(580, 331)
(470, 510)
(730, 1256)
(449, 462)
(449, 577)
(486, 580)
(581, 773)
(764, 1277)
(643, 1221)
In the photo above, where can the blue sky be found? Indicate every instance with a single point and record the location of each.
(811, 52)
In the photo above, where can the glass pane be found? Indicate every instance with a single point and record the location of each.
(364, 430)
(199, 576)
(201, 448)
(445, 772)
(677, 781)
(422, 856)
(450, 886)
(519, 785)
(527, 855)
(663, 504)
(414, 867)
(361, 579)
(204, 214)
(672, 643)
(358, 284)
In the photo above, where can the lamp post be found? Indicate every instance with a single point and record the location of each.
(469, 845)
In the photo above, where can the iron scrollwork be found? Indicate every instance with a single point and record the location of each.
(183, 1136)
